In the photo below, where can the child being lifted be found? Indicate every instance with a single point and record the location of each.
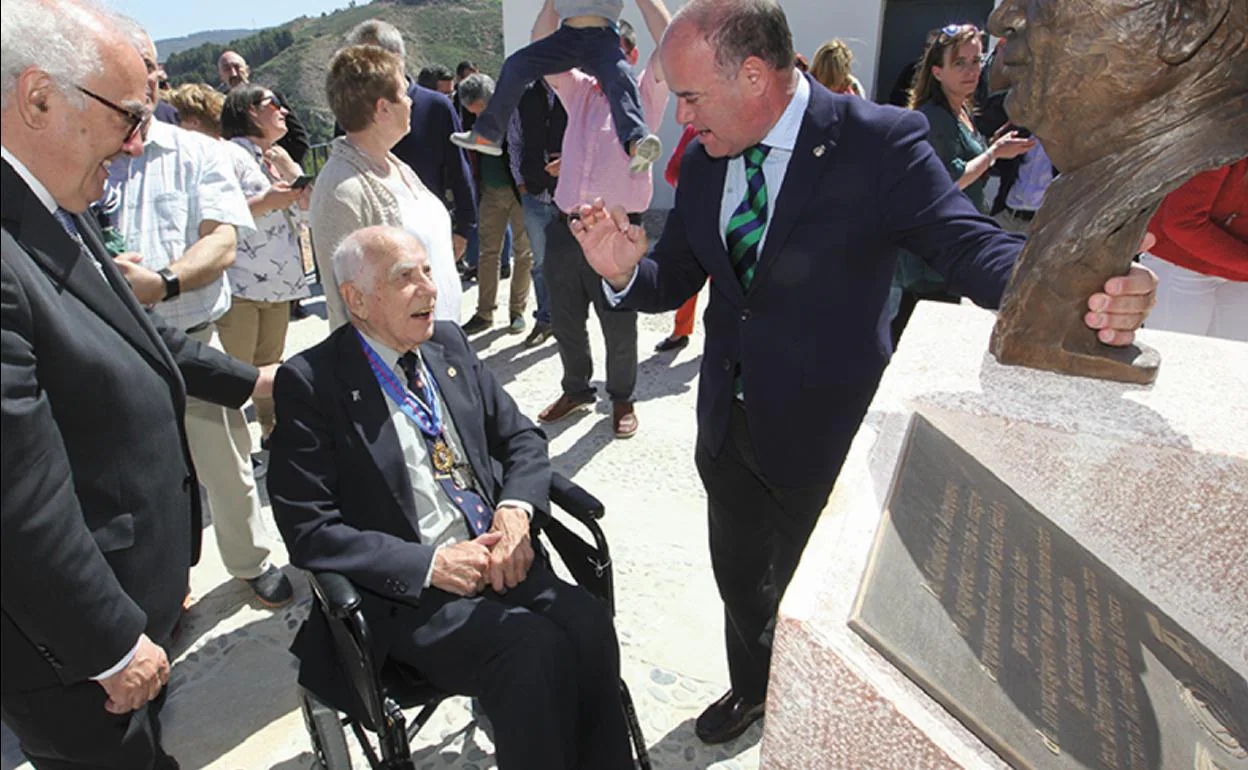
(588, 38)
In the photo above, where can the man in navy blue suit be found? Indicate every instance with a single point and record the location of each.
(795, 201)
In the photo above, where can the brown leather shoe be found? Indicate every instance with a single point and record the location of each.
(565, 406)
(623, 419)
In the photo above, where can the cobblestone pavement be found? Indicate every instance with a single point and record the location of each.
(232, 701)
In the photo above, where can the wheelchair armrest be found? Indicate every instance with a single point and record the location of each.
(338, 596)
(576, 502)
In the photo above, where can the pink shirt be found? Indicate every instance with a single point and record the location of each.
(594, 164)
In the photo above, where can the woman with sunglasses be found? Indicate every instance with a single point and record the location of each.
(267, 274)
(943, 90)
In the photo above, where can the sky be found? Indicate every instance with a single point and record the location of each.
(164, 19)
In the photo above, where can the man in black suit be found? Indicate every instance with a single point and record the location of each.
(399, 461)
(101, 517)
(795, 200)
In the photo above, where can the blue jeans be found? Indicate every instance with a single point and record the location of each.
(537, 216)
(595, 50)
(472, 252)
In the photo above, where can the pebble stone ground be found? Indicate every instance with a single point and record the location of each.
(232, 702)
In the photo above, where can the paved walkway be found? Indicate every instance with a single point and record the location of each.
(231, 696)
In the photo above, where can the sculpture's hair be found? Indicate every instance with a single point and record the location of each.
(739, 29)
(60, 38)
(831, 65)
(380, 33)
(358, 76)
(926, 88)
(477, 87)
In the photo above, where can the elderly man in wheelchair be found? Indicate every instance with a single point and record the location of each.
(400, 464)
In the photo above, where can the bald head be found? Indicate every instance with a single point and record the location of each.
(232, 69)
(387, 285)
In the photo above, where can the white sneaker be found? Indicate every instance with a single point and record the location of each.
(645, 153)
(471, 140)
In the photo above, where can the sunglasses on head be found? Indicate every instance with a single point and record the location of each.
(134, 117)
(950, 30)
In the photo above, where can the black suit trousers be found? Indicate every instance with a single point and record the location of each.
(543, 660)
(758, 531)
(101, 740)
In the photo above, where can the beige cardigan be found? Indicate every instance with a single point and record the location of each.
(348, 196)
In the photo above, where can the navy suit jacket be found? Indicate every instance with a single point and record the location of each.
(341, 494)
(428, 150)
(812, 333)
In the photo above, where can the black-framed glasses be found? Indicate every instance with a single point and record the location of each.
(135, 117)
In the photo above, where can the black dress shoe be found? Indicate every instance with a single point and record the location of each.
(272, 588)
(504, 272)
(671, 343)
(726, 719)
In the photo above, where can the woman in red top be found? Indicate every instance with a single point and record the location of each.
(684, 316)
(1201, 256)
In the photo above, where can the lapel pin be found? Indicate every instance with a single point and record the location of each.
(355, 395)
(819, 150)
(452, 371)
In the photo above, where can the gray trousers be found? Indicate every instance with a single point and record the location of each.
(574, 286)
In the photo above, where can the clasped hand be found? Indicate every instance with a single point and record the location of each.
(499, 559)
(140, 681)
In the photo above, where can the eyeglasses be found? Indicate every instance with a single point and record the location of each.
(134, 117)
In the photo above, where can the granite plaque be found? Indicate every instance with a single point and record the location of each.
(1027, 638)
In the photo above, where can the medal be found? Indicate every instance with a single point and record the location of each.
(443, 459)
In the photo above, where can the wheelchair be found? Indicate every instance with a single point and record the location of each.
(397, 688)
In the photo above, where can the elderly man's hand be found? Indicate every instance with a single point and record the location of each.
(512, 555)
(264, 381)
(148, 286)
(140, 681)
(461, 569)
(1119, 310)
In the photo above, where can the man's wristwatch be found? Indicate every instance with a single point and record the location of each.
(173, 284)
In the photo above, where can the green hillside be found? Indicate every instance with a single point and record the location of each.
(436, 31)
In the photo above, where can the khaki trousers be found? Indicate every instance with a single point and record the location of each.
(498, 208)
(221, 450)
(255, 332)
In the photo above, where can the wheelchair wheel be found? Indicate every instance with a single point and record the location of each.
(329, 740)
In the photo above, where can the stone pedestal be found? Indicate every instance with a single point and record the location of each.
(1153, 480)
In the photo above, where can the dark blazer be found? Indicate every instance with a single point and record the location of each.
(541, 129)
(100, 504)
(339, 486)
(812, 333)
(428, 150)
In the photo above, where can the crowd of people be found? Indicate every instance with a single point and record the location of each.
(159, 266)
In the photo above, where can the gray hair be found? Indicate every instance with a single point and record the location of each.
(739, 29)
(133, 31)
(379, 33)
(476, 88)
(350, 259)
(57, 37)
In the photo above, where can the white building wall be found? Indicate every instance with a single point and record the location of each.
(857, 22)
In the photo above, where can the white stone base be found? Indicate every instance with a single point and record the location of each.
(1151, 479)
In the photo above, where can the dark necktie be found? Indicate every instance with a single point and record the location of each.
(476, 511)
(749, 220)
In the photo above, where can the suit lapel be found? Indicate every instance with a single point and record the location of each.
(365, 404)
(812, 157)
(709, 199)
(454, 389)
(60, 256)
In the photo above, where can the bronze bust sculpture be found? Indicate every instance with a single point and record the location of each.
(1130, 99)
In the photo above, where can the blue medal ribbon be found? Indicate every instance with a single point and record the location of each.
(427, 417)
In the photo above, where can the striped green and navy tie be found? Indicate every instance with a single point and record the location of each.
(745, 229)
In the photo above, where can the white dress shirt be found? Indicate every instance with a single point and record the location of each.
(782, 138)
